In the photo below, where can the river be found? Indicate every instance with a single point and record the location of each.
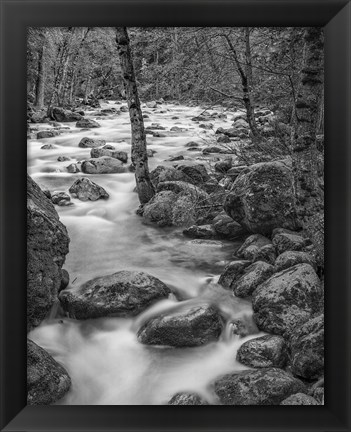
(107, 364)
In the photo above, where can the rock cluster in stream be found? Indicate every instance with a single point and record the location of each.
(275, 267)
(47, 247)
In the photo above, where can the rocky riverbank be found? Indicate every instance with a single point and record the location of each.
(210, 197)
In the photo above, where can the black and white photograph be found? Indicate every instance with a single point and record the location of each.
(175, 215)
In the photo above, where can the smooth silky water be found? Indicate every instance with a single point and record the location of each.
(106, 362)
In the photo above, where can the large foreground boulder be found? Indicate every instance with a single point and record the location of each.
(102, 165)
(47, 380)
(287, 299)
(307, 349)
(257, 387)
(263, 198)
(197, 326)
(85, 189)
(124, 293)
(47, 247)
(63, 115)
(264, 351)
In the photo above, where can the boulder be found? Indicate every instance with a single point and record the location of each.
(47, 247)
(226, 227)
(184, 188)
(63, 159)
(214, 149)
(38, 117)
(206, 126)
(187, 399)
(102, 165)
(263, 352)
(87, 142)
(196, 174)
(193, 174)
(73, 168)
(307, 349)
(176, 158)
(219, 131)
(268, 386)
(155, 126)
(87, 123)
(287, 299)
(124, 293)
(181, 205)
(192, 144)
(85, 189)
(289, 242)
(197, 326)
(200, 231)
(239, 122)
(224, 139)
(159, 210)
(63, 115)
(47, 134)
(244, 326)
(99, 152)
(151, 104)
(263, 198)
(64, 280)
(299, 399)
(47, 380)
(253, 276)
(111, 110)
(48, 147)
(61, 199)
(161, 174)
(177, 129)
(223, 166)
(257, 248)
(290, 258)
(232, 272)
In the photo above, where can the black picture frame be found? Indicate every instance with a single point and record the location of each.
(335, 16)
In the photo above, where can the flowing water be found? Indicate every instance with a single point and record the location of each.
(106, 362)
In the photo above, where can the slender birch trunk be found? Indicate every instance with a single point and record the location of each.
(144, 186)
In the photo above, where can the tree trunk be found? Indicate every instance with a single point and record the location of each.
(86, 91)
(247, 96)
(157, 78)
(73, 76)
(40, 84)
(144, 186)
(307, 113)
